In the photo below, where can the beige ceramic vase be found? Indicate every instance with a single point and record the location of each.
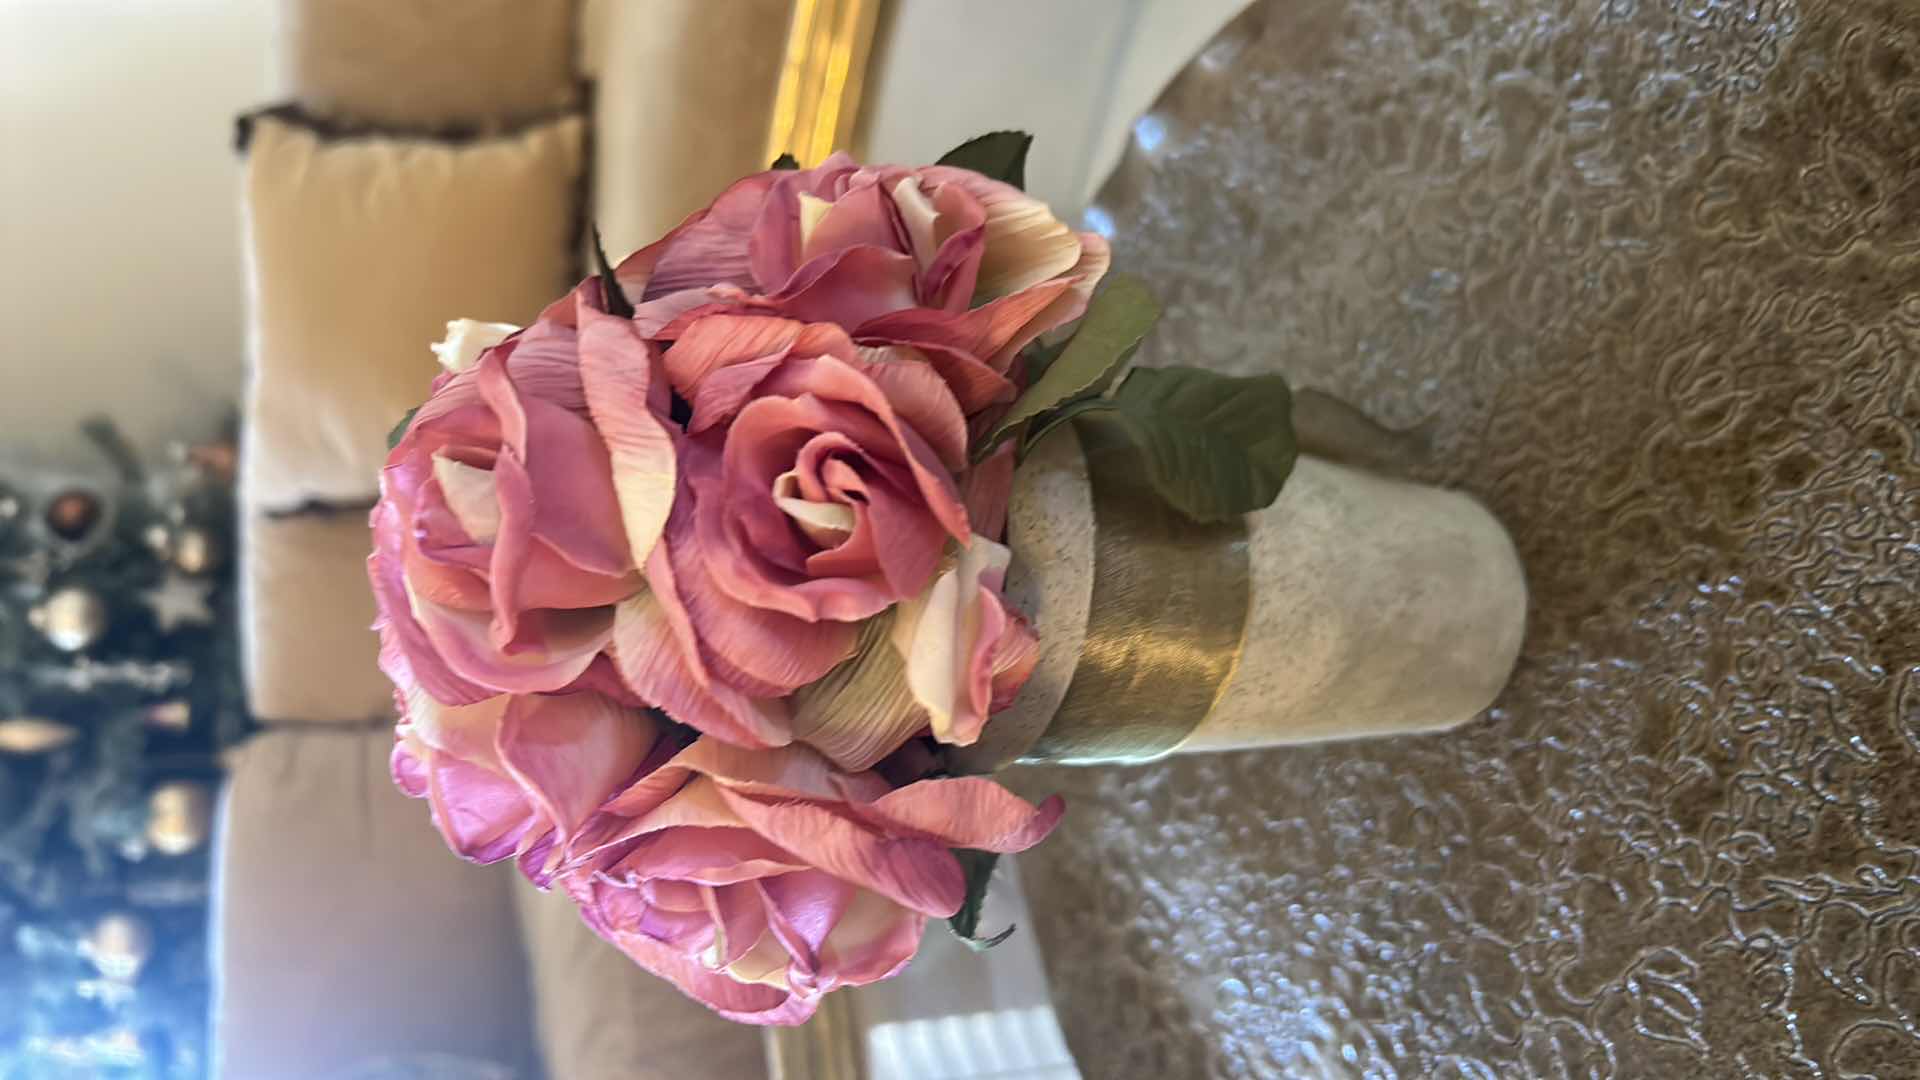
(1356, 605)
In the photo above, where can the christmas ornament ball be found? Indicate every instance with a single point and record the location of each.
(72, 514)
(119, 944)
(72, 618)
(195, 551)
(178, 815)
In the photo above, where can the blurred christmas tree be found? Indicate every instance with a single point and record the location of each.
(119, 687)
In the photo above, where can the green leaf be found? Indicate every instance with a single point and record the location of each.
(1041, 357)
(1117, 320)
(785, 161)
(400, 429)
(978, 867)
(999, 155)
(616, 297)
(1215, 446)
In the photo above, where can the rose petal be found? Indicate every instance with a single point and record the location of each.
(616, 369)
(986, 490)
(407, 653)
(470, 496)
(993, 332)
(968, 812)
(553, 650)
(862, 710)
(735, 1000)
(571, 751)
(936, 634)
(1025, 243)
(920, 874)
(466, 339)
(715, 342)
(873, 939)
(652, 661)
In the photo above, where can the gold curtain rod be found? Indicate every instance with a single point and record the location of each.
(818, 102)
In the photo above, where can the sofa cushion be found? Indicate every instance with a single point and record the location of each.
(360, 251)
(601, 1017)
(307, 612)
(429, 64)
(345, 930)
(653, 59)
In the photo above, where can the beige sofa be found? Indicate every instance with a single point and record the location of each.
(349, 940)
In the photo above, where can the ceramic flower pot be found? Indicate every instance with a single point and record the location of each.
(1356, 605)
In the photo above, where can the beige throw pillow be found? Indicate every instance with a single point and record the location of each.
(345, 929)
(360, 251)
(311, 654)
(429, 64)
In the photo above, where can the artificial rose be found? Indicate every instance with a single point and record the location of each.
(965, 653)
(517, 506)
(818, 490)
(517, 775)
(759, 881)
(946, 266)
(466, 339)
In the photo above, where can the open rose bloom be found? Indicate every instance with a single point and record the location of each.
(684, 589)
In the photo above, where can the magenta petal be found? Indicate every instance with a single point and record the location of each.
(802, 909)
(909, 542)
(512, 545)
(721, 395)
(969, 812)
(616, 367)
(921, 874)
(555, 648)
(483, 816)
(921, 398)
(747, 1003)
(710, 856)
(863, 216)
(714, 342)
(776, 650)
(652, 662)
(409, 773)
(874, 939)
(974, 383)
(407, 652)
(830, 378)
(993, 332)
(572, 751)
(986, 489)
(849, 287)
(709, 248)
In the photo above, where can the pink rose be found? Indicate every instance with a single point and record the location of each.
(517, 506)
(819, 489)
(759, 881)
(518, 775)
(951, 268)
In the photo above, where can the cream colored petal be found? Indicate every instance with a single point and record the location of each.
(765, 964)
(466, 339)
(862, 710)
(917, 212)
(826, 524)
(471, 496)
(813, 210)
(1026, 245)
(935, 631)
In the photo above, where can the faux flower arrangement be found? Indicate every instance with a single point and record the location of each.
(686, 587)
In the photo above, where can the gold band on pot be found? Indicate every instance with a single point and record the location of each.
(1168, 614)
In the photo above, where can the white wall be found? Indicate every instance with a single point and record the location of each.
(120, 282)
(1074, 72)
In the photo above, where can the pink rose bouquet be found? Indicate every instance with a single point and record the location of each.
(686, 587)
